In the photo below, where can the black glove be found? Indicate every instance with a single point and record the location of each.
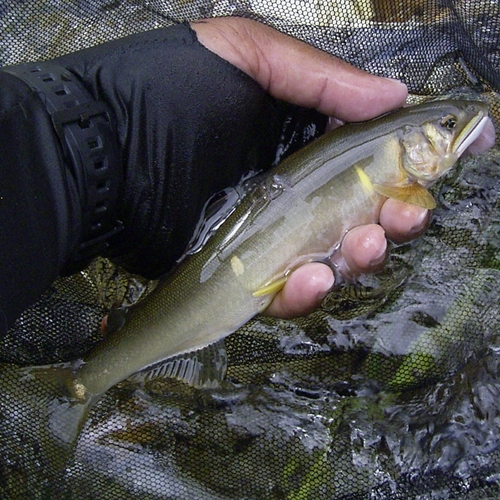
(188, 124)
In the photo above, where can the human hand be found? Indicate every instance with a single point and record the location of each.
(296, 72)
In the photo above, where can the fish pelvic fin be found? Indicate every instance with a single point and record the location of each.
(413, 193)
(204, 368)
(272, 288)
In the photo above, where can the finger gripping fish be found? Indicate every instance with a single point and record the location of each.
(298, 213)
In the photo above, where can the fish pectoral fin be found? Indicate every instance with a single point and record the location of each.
(204, 368)
(413, 193)
(272, 288)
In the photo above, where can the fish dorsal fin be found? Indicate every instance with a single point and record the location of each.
(413, 193)
(204, 368)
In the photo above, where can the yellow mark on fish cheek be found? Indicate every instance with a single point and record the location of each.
(237, 266)
(365, 181)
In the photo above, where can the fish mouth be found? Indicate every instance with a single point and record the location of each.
(470, 133)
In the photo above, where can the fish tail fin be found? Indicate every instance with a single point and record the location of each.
(38, 406)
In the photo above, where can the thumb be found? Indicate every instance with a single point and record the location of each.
(299, 73)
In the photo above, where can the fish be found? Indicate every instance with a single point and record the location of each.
(298, 212)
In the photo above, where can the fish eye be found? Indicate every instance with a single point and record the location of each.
(449, 122)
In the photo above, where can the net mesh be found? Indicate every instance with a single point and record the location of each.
(389, 391)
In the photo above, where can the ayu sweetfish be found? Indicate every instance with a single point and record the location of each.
(298, 213)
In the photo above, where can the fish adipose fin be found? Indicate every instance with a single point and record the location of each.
(113, 321)
(273, 287)
(204, 368)
(413, 193)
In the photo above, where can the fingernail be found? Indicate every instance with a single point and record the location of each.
(377, 260)
(326, 286)
(374, 263)
(396, 81)
(333, 123)
(420, 222)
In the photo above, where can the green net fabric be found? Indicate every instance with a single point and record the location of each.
(390, 391)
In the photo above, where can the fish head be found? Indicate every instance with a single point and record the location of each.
(437, 134)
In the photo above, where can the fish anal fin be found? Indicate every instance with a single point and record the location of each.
(204, 368)
(413, 193)
(271, 288)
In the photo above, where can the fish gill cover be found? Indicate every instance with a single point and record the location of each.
(391, 390)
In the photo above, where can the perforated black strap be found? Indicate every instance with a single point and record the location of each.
(87, 134)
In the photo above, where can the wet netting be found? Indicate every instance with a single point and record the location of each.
(390, 391)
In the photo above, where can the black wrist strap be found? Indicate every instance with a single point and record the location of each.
(87, 134)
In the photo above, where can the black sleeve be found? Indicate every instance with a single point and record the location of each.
(188, 124)
(39, 214)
